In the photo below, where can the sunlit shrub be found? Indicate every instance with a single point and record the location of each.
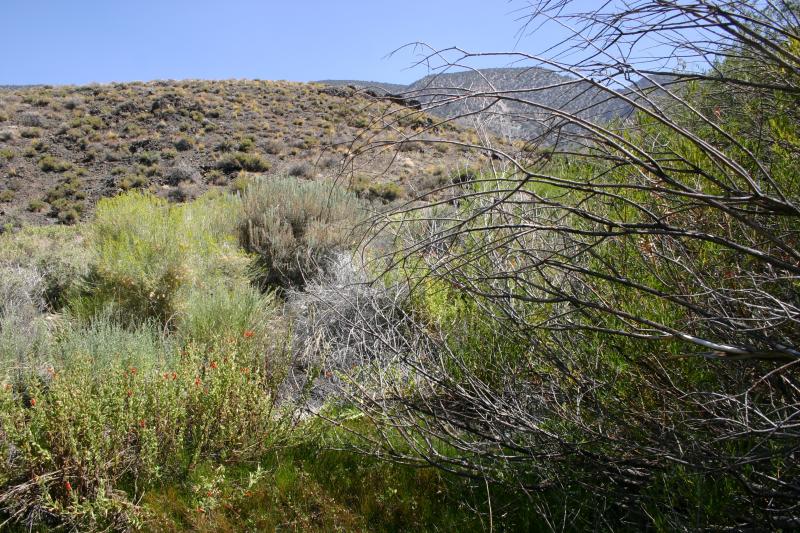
(295, 227)
(115, 412)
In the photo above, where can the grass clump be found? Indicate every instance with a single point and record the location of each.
(295, 227)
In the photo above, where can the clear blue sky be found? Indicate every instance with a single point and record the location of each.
(82, 41)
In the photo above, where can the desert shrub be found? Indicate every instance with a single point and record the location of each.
(22, 302)
(148, 158)
(30, 133)
(7, 154)
(411, 146)
(464, 175)
(295, 227)
(243, 161)
(181, 172)
(148, 253)
(67, 187)
(49, 163)
(35, 206)
(274, 147)
(182, 144)
(246, 144)
(329, 162)
(6, 196)
(68, 212)
(138, 267)
(224, 146)
(31, 120)
(133, 181)
(231, 314)
(342, 324)
(365, 187)
(6, 135)
(72, 103)
(386, 191)
(115, 412)
(216, 177)
(301, 170)
(3, 116)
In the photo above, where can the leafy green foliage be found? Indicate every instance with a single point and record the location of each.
(115, 412)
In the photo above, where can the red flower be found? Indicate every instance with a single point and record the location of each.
(197, 381)
(130, 393)
(213, 364)
(200, 509)
(247, 334)
(133, 370)
(174, 376)
(68, 486)
(209, 494)
(141, 423)
(33, 402)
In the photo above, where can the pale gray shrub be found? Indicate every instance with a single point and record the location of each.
(22, 319)
(295, 227)
(31, 120)
(344, 326)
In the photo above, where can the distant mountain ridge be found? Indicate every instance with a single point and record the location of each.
(539, 96)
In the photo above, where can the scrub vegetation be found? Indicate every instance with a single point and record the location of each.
(596, 328)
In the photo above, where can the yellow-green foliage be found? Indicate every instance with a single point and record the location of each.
(147, 250)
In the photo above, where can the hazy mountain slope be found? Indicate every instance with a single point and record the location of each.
(454, 94)
(547, 91)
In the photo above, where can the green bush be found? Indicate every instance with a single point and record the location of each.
(148, 158)
(147, 251)
(49, 163)
(295, 227)
(138, 266)
(243, 161)
(115, 412)
(35, 206)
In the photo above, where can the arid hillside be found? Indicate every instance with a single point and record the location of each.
(62, 148)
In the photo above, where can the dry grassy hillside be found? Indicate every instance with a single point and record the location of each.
(62, 148)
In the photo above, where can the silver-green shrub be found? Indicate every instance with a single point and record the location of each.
(295, 227)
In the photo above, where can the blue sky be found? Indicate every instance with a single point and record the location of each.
(82, 41)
